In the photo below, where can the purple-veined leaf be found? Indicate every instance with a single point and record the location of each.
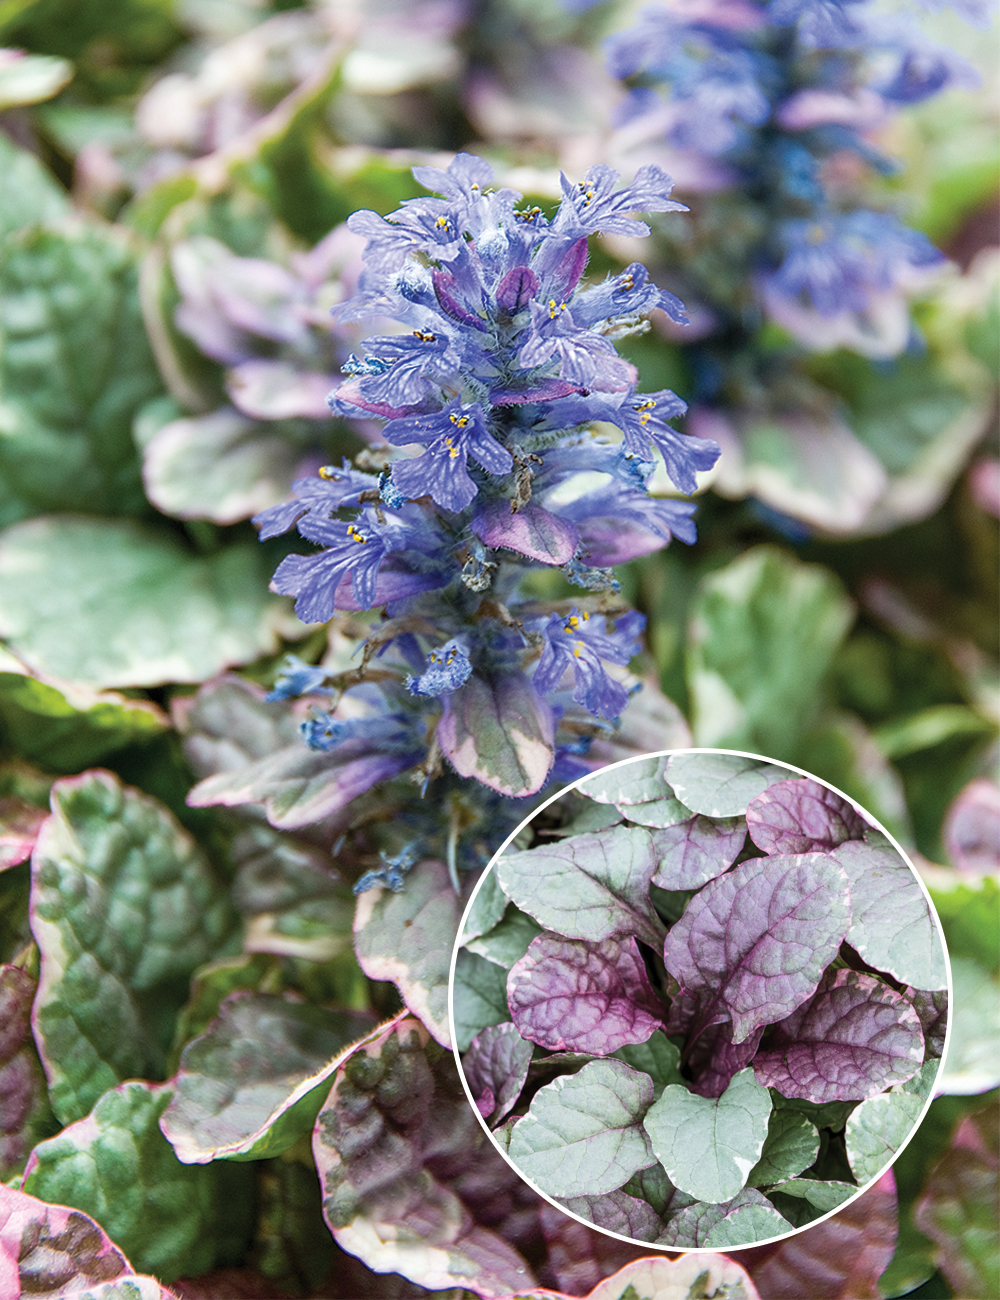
(20, 823)
(498, 732)
(931, 1006)
(583, 1134)
(801, 816)
(115, 1164)
(719, 785)
(49, 1252)
(708, 1146)
(752, 945)
(124, 908)
(579, 996)
(497, 1064)
(618, 1212)
(957, 1209)
(854, 1038)
(394, 1140)
(25, 1116)
(588, 886)
(877, 1129)
(839, 1259)
(791, 1145)
(252, 1084)
(892, 928)
(531, 531)
(640, 781)
(407, 937)
(694, 851)
(713, 1058)
(228, 724)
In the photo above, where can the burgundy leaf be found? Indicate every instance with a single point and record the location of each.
(580, 1257)
(496, 1067)
(579, 996)
(541, 390)
(854, 1038)
(20, 823)
(694, 852)
(841, 1258)
(932, 1008)
(24, 1109)
(530, 531)
(800, 816)
(714, 1058)
(752, 945)
(618, 1212)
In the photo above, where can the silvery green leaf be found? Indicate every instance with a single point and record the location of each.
(720, 785)
(689, 1225)
(479, 994)
(824, 1194)
(747, 1224)
(658, 814)
(508, 941)
(636, 782)
(658, 1057)
(487, 908)
(709, 1145)
(583, 1135)
(876, 1131)
(792, 1145)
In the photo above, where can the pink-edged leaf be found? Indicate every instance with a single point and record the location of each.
(407, 937)
(854, 1038)
(269, 389)
(678, 1279)
(715, 1058)
(349, 393)
(693, 852)
(841, 1258)
(25, 1117)
(48, 1252)
(932, 1008)
(579, 996)
(408, 1177)
(531, 531)
(592, 886)
(802, 816)
(496, 1068)
(618, 1212)
(20, 823)
(579, 1258)
(499, 732)
(752, 945)
(958, 1207)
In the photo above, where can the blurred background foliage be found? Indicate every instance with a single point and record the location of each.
(170, 170)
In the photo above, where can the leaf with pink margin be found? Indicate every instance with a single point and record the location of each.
(25, 1116)
(841, 1258)
(802, 816)
(618, 1212)
(579, 996)
(531, 531)
(252, 1084)
(407, 937)
(957, 1209)
(678, 1279)
(497, 1063)
(500, 733)
(638, 782)
(893, 929)
(20, 823)
(393, 1142)
(228, 725)
(51, 1251)
(854, 1038)
(588, 886)
(693, 852)
(782, 914)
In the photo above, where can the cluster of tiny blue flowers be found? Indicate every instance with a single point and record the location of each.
(775, 93)
(501, 364)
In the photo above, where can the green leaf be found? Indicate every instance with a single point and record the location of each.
(828, 1114)
(721, 785)
(877, 1129)
(486, 909)
(972, 1063)
(252, 1084)
(970, 915)
(108, 603)
(124, 909)
(508, 941)
(292, 1246)
(69, 727)
(763, 633)
(31, 78)
(397, 1111)
(210, 984)
(498, 732)
(709, 1145)
(792, 1144)
(625, 784)
(171, 1219)
(479, 997)
(408, 937)
(747, 1224)
(824, 1194)
(658, 1057)
(583, 1133)
(30, 192)
(75, 368)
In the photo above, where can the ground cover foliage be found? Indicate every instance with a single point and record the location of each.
(710, 1033)
(177, 177)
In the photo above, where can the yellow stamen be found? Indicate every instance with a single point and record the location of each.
(442, 223)
(425, 336)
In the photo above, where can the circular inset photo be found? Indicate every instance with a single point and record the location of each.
(700, 1000)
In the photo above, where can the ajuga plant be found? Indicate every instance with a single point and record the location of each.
(706, 1006)
(499, 362)
(772, 110)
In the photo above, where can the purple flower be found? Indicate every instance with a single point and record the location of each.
(448, 668)
(596, 204)
(298, 678)
(451, 436)
(580, 642)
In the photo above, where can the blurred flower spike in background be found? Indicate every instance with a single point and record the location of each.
(506, 361)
